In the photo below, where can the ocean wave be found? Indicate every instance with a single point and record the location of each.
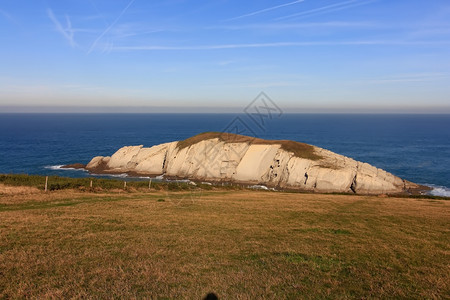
(57, 167)
(178, 180)
(437, 190)
(122, 175)
(60, 168)
(259, 187)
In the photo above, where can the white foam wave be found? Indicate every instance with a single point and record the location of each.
(60, 168)
(57, 167)
(123, 175)
(441, 191)
(259, 187)
(180, 180)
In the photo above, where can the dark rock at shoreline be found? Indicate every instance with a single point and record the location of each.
(74, 166)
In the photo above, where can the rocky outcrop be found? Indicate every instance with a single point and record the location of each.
(225, 157)
(74, 166)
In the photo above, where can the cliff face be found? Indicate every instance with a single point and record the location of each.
(240, 159)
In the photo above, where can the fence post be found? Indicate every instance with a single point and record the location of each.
(46, 182)
(149, 183)
(124, 184)
(90, 184)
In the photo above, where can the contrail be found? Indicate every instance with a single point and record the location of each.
(98, 11)
(340, 8)
(68, 33)
(265, 10)
(283, 44)
(110, 26)
(328, 8)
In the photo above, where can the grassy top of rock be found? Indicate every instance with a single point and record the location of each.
(300, 150)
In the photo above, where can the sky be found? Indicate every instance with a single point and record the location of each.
(217, 56)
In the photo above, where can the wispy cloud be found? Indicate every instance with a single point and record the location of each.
(225, 62)
(327, 9)
(110, 26)
(68, 32)
(125, 31)
(7, 16)
(265, 10)
(413, 77)
(302, 25)
(284, 44)
(133, 29)
(255, 85)
(271, 84)
(425, 32)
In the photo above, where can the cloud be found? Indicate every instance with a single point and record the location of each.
(302, 25)
(327, 9)
(271, 84)
(265, 10)
(283, 44)
(68, 33)
(225, 62)
(125, 30)
(425, 32)
(413, 77)
(7, 16)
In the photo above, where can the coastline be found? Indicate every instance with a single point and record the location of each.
(423, 189)
(104, 182)
(418, 156)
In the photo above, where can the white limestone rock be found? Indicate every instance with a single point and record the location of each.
(246, 160)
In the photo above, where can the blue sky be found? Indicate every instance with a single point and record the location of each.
(311, 55)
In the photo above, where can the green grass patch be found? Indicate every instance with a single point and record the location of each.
(56, 203)
(63, 183)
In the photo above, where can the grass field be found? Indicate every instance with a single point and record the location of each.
(238, 244)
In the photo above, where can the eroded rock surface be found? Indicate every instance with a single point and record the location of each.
(234, 158)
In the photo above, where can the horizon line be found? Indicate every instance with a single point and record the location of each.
(436, 110)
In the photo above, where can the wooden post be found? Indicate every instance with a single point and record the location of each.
(124, 184)
(150, 183)
(90, 184)
(46, 182)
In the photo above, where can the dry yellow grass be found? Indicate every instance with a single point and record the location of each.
(237, 244)
(17, 190)
(301, 150)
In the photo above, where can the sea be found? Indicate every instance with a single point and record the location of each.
(412, 146)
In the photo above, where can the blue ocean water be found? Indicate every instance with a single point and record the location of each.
(414, 147)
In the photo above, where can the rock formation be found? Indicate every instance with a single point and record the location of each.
(225, 157)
